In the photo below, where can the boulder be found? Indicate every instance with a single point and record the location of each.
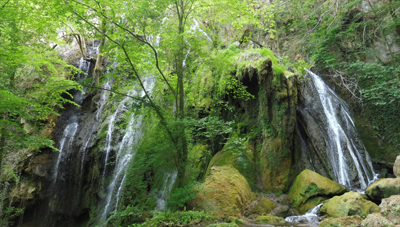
(349, 204)
(259, 207)
(223, 225)
(309, 189)
(383, 188)
(270, 219)
(396, 167)
(352, 221)
(224, 193)
(376, 220)
(390, 209)
(238, 155)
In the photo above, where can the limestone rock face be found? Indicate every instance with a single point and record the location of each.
(25, 192)
(383, 188)
(309, 189)
(396, 167)
(349, 204)
(225, 193)
(41, 166)
(352, 221)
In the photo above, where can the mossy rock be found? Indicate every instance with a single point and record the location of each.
(376, 220)
(224, 193)
(309, 189)
(349, 204)
(390, 209)
(383, 188)
(352, 221)
(260, 206)
(238, 155)
(223, 225)
(270, 219)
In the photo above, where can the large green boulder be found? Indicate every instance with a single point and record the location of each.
(349, 204)
(383, 188)
(309, 189)
(224, 193)
(352, 221)
(390, 209)
(237, 154)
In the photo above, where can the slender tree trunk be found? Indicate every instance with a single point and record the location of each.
(3, 142)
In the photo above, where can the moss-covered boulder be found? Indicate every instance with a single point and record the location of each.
(224, 193)
(237, 154)
(349, 204)
(260, 206)
(223, 225)
(352, 221)
(383, 188)
(376, 220)
(309, 189)
(270, 219)
(396, 167)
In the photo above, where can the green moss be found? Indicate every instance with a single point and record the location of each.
(270, 219)
(238, 154)
(309, 189)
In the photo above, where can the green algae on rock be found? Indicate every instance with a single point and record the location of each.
(270, 219)
(383, 188)
(224, 193)
(309, 189)
(260, 206)
(349, 204)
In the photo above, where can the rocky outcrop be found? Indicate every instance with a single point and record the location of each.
(349, 204)
(396, 167)
(224, 193)
(383, 188)
(353, 221)
(309, 189)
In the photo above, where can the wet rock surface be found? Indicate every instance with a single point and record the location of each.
(396, 167)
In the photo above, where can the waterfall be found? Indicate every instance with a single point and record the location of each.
(310, 217)
(162, 196)
(328, 117)
(125, 153)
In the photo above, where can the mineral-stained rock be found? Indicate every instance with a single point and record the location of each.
(396, 167)
(41, 166)
(352, 221)
(349, 204)
(376, 220)
(224, 193)
(25, 192)
(383, 188)
(309, 189)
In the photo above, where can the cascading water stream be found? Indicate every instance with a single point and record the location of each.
(124, 156)
(161, 197)
(341, 145)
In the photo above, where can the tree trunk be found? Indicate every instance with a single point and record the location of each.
(3, 142)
